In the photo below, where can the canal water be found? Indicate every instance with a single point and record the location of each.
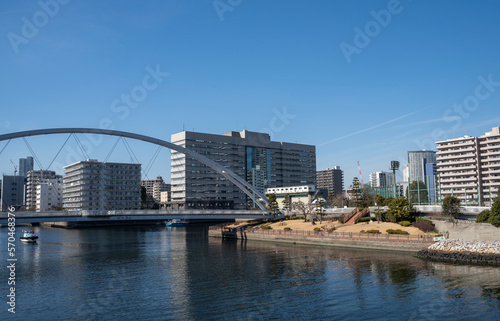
(160, 273)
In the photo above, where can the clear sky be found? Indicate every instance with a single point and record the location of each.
(362, 80)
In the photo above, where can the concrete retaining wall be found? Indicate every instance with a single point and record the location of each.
(468, 231)
(374, 245)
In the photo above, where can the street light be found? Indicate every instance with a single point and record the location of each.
(394, 166)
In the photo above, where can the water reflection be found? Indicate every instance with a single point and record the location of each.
(181, 274)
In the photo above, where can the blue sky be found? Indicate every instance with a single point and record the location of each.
(362, 80)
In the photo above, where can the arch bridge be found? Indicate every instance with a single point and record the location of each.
(258, 197)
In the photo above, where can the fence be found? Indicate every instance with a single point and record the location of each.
(333, 235)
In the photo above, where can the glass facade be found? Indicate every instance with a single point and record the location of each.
(258, 167)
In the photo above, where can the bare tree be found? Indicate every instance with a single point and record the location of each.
(302, 208)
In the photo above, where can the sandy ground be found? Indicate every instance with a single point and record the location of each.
(300, 225)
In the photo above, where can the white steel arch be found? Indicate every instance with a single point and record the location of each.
(248, 189)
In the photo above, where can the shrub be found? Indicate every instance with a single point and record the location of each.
(331, 229)
(424, 225)
(266, 227)
(289, 218)
(483, 217)
(341, 220)
(363, 219)
(317, 229)
(405, 223)
(287, 229)
(398, 231)
(371, 231)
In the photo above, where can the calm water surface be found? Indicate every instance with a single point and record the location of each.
(159, 273)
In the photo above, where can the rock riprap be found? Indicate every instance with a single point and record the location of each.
(477, 252)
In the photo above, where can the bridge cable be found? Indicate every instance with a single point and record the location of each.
(81, 147)
(5, 146)
(112, 150)
(152, 160)
(133, 157)
(33, 153)
(60, 149)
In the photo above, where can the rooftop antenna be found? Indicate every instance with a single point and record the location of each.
(183, 127)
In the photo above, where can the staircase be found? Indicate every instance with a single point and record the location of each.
(353, 218)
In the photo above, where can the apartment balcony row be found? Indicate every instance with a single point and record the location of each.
(470, 149)
(458, 180)
(471, 162)
(449, 156)
(450, 167)
(457, 174)
(456, 143)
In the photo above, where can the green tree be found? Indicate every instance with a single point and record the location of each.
(417, 193)
(320, 208)
(356, 192)
(451, 206)
(144, 197)
(273, 204)
(380, 200)
(483, 217)
(400, 209)
(495, 212)
(286, 201)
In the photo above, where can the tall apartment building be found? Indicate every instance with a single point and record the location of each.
(32, 180)
(12, 191)
(154, 187)
(331, 179)
(49, 193)
(417, 165)
(253, 156)
(25, 165)
(469, 167)
(91, 185)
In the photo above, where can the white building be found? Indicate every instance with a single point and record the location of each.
(381, 179)
(49, 193)
(469, 167)
(252, 156)
(91, 185)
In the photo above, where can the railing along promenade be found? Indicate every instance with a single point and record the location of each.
(330, 235)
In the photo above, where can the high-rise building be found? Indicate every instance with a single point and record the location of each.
(253, 156)
(91, 185)
(25, 165)
(381, 179)
(49, 193)
(12, 191)
(32, 180)
(331, 179)
(417, 162)
(469, 167)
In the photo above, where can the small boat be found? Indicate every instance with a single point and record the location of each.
(177, 223)
(29, 237)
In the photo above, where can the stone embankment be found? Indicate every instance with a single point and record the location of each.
(461, 251)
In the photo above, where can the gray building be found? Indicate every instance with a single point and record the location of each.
(12, 191)
(252, 156)
(91, 185)
(154, 187)
(331, 179)
(32, 180)
(417, 165)
(25, 165)
(381, 179)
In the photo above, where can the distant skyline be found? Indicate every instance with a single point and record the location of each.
(363, 81)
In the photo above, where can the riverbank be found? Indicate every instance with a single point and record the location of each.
(460, 251)
(405, 243)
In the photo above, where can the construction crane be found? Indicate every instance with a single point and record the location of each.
(15, 167)
(360, 175)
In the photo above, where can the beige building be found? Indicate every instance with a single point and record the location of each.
(304, 194)
(469, 168)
